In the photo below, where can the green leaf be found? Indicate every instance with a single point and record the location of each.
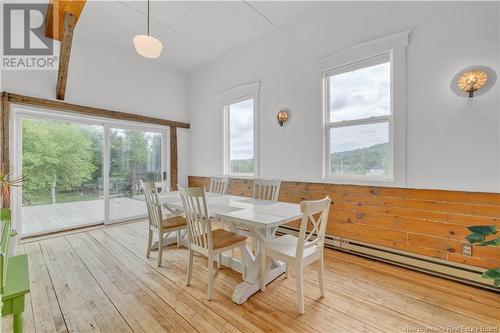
(5, 214)
(496, 283)
(491, 274)
(483, 229)
(492, 242)
(475, 238)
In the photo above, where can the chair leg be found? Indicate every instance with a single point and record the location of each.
(160, 248)
(210, 276)
(263, 269)
(150, 242)
(300, 291)
(18, 323)
(320, 276)
(190, 267)
(287, 270)
(178, 238)
(219, 260)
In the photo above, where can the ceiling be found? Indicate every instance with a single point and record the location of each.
(192, 32)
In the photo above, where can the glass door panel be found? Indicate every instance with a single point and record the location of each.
(62, 169)
(134, 156)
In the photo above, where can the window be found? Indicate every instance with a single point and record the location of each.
(240, 105)
(358, 119)
(361, 95)
(240, 137)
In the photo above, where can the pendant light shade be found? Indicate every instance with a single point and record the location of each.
(146, 45)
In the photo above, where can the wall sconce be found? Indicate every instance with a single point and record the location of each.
(282, 117)
(471, 81)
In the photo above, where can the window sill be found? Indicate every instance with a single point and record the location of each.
(241, 175)
(362, 181)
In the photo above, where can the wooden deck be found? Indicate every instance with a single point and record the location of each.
(44, 218)
(101, 281)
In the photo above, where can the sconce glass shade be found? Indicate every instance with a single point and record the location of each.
(472, 81)
(282, 117)
(147, 46)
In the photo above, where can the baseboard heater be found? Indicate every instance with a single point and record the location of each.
(458, 272)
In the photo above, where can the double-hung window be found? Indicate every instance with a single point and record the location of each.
(357, 99)
(240, 106)
(240, 137)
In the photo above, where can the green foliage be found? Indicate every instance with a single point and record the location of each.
(361, 161)
(491, 242)
(483, 229)
(242, 166)
(55, 154)
(5, 214)
(133, 157)
(475, 238)
(478, 237)
(492, 274)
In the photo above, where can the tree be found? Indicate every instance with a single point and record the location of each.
(131, 153)
(56, 155)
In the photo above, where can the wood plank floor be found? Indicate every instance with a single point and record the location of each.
(101, 281)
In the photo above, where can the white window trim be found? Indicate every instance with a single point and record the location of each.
(235, 95)
(395, 46)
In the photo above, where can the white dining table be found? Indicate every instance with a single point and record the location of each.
(258, 219)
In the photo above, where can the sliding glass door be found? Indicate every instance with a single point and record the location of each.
(134, 156)
(79, 172)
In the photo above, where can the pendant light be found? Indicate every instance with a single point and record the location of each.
(146, 45)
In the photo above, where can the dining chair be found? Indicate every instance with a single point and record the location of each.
(202, 239)
(157, 223)
(263, 189)
(266, 189)
(300, 251)
(218, 185)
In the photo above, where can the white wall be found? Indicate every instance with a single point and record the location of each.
(120, 81)
(452, 142)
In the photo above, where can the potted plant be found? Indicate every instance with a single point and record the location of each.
(6, 183)
(482, 236)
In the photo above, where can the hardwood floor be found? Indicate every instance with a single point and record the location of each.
(101, 281)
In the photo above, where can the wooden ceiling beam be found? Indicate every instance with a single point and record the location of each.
(64, 54)
(54, 20)
(88, 110)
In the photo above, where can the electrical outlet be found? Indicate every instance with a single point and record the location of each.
(467, 249)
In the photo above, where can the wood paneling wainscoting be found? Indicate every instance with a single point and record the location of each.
(431, 223)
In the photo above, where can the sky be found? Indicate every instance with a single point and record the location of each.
(241, 130)
(359, 94)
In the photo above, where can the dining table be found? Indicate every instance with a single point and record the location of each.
(258, 219)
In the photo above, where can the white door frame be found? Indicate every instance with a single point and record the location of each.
(19, 112)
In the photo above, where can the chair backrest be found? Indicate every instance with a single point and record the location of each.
(196, 212)
(315, 212)
(4, 255)
(218, 185)
(153, 203)
(266, 189)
